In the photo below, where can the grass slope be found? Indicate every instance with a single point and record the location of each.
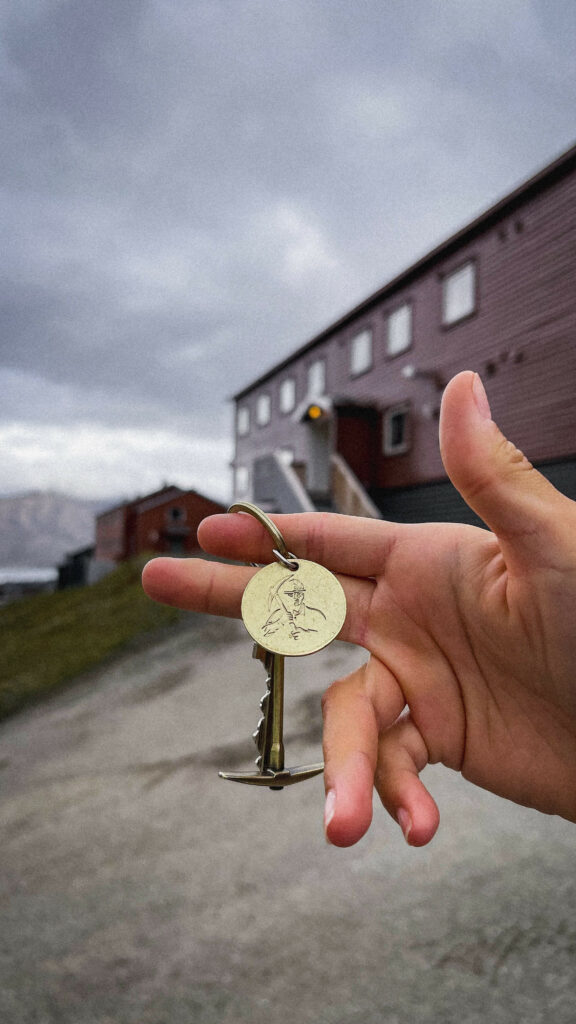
(48, 639)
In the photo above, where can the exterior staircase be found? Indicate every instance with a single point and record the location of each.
(278, 487)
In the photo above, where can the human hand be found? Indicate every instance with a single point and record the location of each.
(470, 633)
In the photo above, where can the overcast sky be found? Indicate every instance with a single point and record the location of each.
(191, 189)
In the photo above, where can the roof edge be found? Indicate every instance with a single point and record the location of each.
(559, 168)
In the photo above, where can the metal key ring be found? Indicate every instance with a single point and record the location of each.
(280, 551)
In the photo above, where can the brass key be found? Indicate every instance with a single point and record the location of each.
(269, 733)
(290, 607)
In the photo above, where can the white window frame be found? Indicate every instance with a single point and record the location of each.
(388, 445)
(317, 378)
(361, 355)
(399, 330)
(287, 395)
(241, 481)
(263, 409)
(286, 456)
(243, 420)
(459, 293)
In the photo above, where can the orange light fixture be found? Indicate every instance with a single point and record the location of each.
(314, 412)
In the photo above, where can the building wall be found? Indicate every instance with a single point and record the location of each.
(165, 523)
(111, 534)
(521, 338)
(170, 527)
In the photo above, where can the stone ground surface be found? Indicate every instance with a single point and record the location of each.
(136, 887)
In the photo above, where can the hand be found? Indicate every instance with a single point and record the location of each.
(470, 633)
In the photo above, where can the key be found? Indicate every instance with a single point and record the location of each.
(290, 607)
(268, 736)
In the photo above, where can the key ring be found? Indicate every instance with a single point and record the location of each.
(280, 551)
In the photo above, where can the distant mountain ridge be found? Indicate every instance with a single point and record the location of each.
(40, 527)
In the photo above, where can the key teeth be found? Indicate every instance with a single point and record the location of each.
(264, 735)
(258, 733)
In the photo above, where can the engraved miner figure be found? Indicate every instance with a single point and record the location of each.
(289, 614)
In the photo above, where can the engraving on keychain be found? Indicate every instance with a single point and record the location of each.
(294, 612)
(290, 607)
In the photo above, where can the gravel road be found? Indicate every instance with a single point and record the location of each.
(136, 887)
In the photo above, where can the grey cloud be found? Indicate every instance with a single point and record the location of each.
(71, 55)
(193, 188)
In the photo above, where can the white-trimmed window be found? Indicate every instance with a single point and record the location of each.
(317, 378)
(286, 456)
(263, 410)
(243, 421)
(459, 293)
(399, 330)
(287, 395)
(396, 435)
(361, 353)
(241, 481)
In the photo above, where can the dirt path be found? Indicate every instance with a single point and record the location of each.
(138, 888)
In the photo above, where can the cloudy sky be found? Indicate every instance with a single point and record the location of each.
(190, 189)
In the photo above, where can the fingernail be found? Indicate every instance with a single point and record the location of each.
(329, 808)
(405, 822)
(480, 397)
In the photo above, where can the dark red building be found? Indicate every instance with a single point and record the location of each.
(350, 420)
(165, 522)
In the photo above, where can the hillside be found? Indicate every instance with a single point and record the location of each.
(39, 528)
(49, 639)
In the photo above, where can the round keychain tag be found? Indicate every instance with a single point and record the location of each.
(294, 611)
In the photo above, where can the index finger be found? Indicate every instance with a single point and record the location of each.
(214, 588)
(346, 544)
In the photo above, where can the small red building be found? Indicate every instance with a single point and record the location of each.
(165, 522)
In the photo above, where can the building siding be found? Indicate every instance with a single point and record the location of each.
(521, 338)
(165, 522)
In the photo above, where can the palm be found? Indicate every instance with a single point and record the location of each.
(467, 644)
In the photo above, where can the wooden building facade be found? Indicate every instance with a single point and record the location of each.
(165, 522)
(350, 420)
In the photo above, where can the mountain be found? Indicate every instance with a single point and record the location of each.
(39, 528)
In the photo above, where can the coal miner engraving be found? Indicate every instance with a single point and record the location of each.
(289, 613)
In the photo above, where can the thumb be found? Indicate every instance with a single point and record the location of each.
(494, 478)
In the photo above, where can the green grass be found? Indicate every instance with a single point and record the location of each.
(47, 640)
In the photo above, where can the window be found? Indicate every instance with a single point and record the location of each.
(241, 481)
(361, 353)
(459, 294)
(263, 410)
(317, 378)
(287, 395)
(243, 421)
(396, 430)
(286, 456)
(399, 330)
